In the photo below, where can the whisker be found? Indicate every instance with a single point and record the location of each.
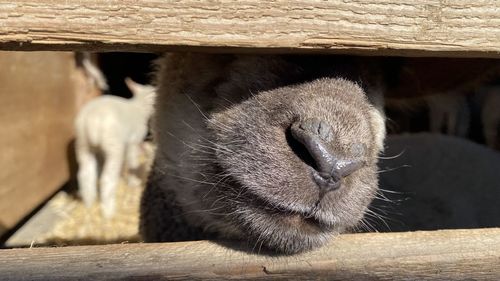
(392, 191)
(393, 169)
(392, 157)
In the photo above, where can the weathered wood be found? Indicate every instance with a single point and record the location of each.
(432, 255)
(40, 93)
(415, 28)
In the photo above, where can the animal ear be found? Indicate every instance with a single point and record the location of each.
(141, 91)
(132, 85)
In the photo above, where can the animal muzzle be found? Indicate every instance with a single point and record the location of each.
(328, 170)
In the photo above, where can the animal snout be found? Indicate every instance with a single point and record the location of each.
(309, 142)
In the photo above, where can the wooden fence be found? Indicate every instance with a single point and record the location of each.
(462, 28)
(407, 27)
(433, 255)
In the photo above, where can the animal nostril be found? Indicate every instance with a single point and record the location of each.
(307, 140)
(312, 149)
(300, 150)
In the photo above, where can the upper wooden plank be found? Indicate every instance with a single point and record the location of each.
(433, 255)
(407, 27)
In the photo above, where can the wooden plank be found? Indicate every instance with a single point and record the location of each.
(408, 27)
(432, 255)
(37, 104)
(40, 93)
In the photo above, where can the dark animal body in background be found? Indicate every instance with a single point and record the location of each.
(437, 182)
(417, 77)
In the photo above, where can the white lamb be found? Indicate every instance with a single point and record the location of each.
(110, 128)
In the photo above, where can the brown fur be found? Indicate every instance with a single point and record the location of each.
(224, 153)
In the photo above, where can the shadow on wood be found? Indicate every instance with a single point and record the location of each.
(432, 255)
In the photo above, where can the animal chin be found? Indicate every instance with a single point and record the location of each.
(285, 231)
(274, 222)
(309, 222)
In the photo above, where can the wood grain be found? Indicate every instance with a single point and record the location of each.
(40, 93)
(414, 28)
(37, 108)
(433, 255)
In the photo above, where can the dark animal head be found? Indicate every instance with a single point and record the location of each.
(297, 164)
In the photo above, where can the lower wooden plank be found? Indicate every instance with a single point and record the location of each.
(432, 255)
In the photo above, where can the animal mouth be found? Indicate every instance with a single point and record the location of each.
(307, 219)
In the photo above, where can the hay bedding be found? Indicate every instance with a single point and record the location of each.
(78, 225)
